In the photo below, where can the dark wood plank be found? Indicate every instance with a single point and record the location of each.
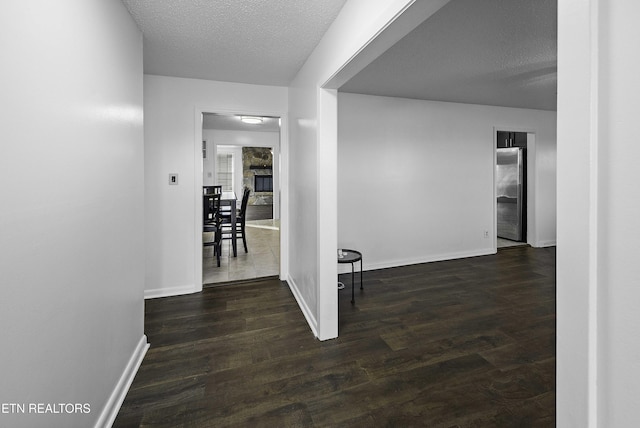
(467, 342)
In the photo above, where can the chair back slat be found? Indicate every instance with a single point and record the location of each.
(211, 190)
(245, 201)
(210, 207)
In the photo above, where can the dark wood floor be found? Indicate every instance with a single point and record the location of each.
(463, 343)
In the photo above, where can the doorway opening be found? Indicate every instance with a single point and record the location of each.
(239, 156)
(511, 188)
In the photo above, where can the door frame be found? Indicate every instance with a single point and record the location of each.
(198, 182)
(531, 190)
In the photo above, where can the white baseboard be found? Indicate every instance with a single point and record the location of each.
(311, 320)
(419, 260)
(170, 291)
(111, 409)
(543, 244)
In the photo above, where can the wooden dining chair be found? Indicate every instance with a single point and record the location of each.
(212, 222)
(210, 207)
(240, 220)
(214, 227)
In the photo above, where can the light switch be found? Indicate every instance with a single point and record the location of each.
(173, 179)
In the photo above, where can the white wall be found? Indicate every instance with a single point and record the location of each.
(619, 203)
(416, 178)
(209, 164)
(313, 155)
(239, 139)
(173, 145)
(71, 223)
(236, 151)
(598, 209)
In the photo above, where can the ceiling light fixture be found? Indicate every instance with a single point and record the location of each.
(253, 120)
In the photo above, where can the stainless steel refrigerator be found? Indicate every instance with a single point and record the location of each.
(510, 193)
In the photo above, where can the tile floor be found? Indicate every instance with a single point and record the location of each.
(503, 243)
(262, 260)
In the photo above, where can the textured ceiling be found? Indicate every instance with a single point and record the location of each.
(494, 52)
(246, 41)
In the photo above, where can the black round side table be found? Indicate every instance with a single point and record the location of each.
(351, 256)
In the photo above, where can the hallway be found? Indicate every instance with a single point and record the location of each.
(467, 342)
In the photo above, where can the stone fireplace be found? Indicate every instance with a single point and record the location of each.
(263, 183)
(257, 174)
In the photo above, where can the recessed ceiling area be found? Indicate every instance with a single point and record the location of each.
(491, 52)
(232, 122)
(244, 41)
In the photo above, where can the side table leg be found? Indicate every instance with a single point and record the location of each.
(353, 298)
(361, 273)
